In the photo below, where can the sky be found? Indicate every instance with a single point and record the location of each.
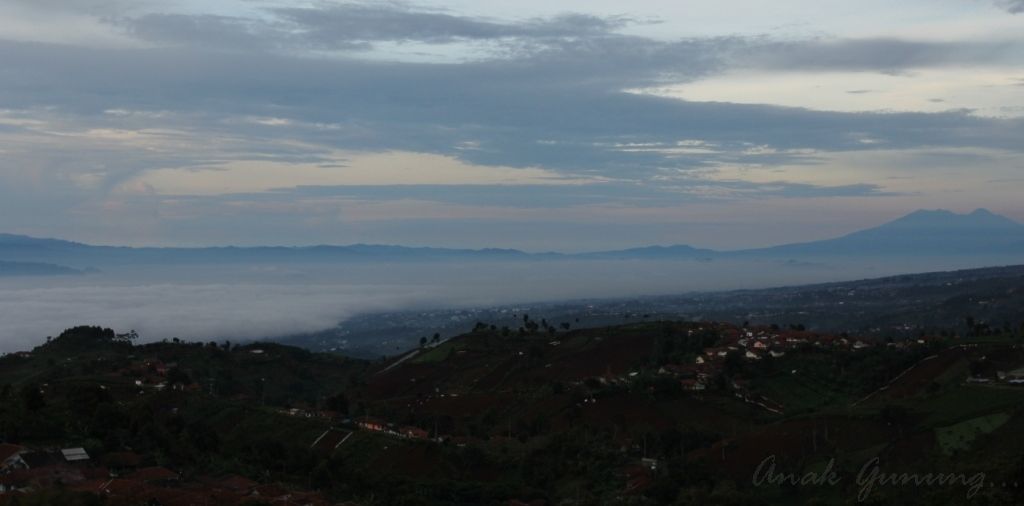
(569, 126)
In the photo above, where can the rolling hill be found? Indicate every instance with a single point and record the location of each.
(622, 414)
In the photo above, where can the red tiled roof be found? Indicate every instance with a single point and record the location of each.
(271, 491)
(122, 459)
(121, 487)
(176, 497)
(93, 486)
(153, 474)
(95, 473)
(238, 483)
(415, 432)
(8, 450)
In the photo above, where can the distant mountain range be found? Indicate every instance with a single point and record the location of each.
(922, 233)
(12, 269)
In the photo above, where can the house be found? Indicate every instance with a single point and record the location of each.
(462, 441)
(36, 460)
(238, 483)
(154, 475)
(738, 382)
(118, 488)
(693, 385)
(122, 462)
(414, 432)
(678, 370)
(45, 477)
(10, 457)
(157, 367)
(752, 355)
(638, 478)
(716, 352)
(73, 455)
(372, 424)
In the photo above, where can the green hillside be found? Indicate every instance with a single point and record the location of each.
(595, 416)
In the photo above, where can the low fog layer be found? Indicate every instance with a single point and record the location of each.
(258, 302)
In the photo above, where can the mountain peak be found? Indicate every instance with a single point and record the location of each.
(920, 213)
(946, 218)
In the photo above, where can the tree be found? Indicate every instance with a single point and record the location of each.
(32, 398)
(423, 341)
(130, 336)
(337, 403)
(733, 363)
(178, 377)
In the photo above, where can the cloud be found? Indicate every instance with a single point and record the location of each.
(786, 189)
(194, 312)
(242, 304)
(338, 25)
(95, 7)
(207, 30)
(355, 27)
(551, 111)
(291, 87)
(886, 55)
(1013, 6)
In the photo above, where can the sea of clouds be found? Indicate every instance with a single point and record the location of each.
(258, 302)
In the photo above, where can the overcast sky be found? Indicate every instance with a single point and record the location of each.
(569, 125)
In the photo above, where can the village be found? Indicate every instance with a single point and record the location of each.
(126, 477)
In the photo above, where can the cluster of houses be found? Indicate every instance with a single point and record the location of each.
(380, 426)
(152, 374)
(122, 478)
(405, 432)
(750, 345)
(756, 344)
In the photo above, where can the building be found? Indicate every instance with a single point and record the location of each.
(414, 432)
(693, 385)
(72, 455)
(10, 457)
(372, 424)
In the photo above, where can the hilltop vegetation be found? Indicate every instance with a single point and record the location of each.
(647, 413)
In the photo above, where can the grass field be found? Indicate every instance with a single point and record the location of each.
(797, 393)
(965, 402)
(432, 355)
(958, 437)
